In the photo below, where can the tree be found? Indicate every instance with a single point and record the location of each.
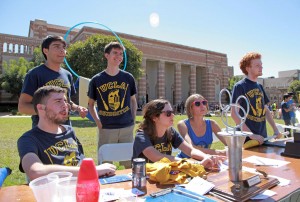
(13, 75)
(295, 88)
(86, 58)
(232, 81)
(38, 57)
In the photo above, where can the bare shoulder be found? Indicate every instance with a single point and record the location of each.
(181, 124)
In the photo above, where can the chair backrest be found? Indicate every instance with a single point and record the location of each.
(115, 152)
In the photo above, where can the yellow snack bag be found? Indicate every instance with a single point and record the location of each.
(250, 144)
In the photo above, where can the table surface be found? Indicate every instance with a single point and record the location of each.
(23, 193)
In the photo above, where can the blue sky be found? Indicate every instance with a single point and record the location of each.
(271, 27)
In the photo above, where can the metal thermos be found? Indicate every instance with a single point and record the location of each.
(139, 180)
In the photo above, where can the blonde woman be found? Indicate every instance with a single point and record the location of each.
(155, 137)
(197, 130)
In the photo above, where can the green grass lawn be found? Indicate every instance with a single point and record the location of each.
(12, 128)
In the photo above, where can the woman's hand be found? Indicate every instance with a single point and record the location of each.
(213, 161)
(106, 169)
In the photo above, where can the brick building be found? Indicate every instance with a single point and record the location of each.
(171, 71)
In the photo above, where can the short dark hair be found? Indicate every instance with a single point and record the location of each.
(286, 95)
(112, 45)
(40, 95)
(290, 93)
(48, 40)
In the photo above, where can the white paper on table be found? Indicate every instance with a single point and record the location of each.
(282, 182)
(110, 194)
(223, 166)
(199, 185)
(264, 195)
(257, 160)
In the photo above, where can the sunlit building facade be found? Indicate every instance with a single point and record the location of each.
(171, 71)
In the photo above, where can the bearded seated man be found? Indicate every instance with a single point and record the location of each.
(51, 146)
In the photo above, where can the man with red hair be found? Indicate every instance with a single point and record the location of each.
(251, 66)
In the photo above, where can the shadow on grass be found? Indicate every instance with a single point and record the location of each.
(84, 123)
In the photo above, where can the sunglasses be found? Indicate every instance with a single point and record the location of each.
(168, 113)
(198, 103)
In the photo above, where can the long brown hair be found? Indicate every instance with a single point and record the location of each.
(151, 110)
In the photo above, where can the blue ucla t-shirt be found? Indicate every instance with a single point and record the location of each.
(161, 144)
(113, 94)
(61, 149)
(43, 76)
(257, 98)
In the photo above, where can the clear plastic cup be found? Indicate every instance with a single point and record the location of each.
(44, 188)
(66, 188)
(62, 174)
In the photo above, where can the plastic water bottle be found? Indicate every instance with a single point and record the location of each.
(88, 187)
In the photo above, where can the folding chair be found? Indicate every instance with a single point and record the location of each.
(115, 152)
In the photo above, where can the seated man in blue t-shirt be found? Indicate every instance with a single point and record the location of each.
(51, 146)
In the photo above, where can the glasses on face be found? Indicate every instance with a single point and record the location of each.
(198, 103)
(168, 113)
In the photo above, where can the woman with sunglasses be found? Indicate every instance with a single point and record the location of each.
(155, 137)
(196, 130)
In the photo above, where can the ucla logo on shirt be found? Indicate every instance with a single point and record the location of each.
(114, 105)
(256, 102)
(114, 99)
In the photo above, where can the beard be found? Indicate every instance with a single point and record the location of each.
(56, 118)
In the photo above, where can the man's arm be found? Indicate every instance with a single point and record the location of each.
(34, 168)
(81, 110)
(93, 112)
(272, 122)
(25, 105)
(237, 120)
(133, 106)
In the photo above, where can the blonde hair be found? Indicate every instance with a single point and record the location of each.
(189, 101)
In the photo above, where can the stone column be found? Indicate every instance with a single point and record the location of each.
(1, 47)
(178, 89)
(142, 82)
(193, 79)
(161, 79)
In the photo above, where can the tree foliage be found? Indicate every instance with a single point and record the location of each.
(295, 88)
(86, 58)
(12, 78)
(232, 81)
(38, 57)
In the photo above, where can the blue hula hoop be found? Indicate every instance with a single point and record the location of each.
(68, 32)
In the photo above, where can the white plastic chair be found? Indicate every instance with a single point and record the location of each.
(281, 130)
(115, 152)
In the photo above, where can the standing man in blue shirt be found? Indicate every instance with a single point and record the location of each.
(114, 91)
(291, 103)
(259, 113)
(49, 74)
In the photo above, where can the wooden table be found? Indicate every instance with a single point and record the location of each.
(22, 193)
